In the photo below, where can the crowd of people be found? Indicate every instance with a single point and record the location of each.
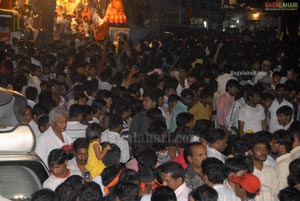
(209, 116)
(79, 20)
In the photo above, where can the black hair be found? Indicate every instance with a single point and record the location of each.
(293, 179)
(147, 158)
(204, 193)
(258, 139)
(157, 134)
(85, 111)
(112, 156)
(215, 135)
(43, 121)
(163, 193)
(131, 176)
(90, 191)
(153, 95)
(213, 168)
(202, 126)
(234, 165)
(44, 96)
(173, 98)
(74, 111)
(80, 143)
(51, 83)
(93, 131)
(250, 195)
(285, 110)
(98, 104)
(127, 191)
(252, 91)
(91, 86)
(43, 195)
(68, 190)
(39, 109)
(182, 137)
(276, 73)
(205, 93)
(232, 83)
(174, 169)
(170, 83)
(120, 106)
(146, 174)
(239, 146)
(102, 94)
(56, 157)
(155, 114)
(188, 151)
(283, 137)
(79, 96)
(294, 169)
(115, 121)
(289, 193)
(31, 93)
(267, 96)
(110, 173)
(296, 131)
(19, 81)
(294, 166)
(49, 104)
(78, 89)
(279, 86)
(183, 118)
(186, 93)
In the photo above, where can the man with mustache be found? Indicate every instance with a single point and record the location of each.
(258, 150)
(80, 147)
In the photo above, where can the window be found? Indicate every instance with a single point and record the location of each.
(19, 179)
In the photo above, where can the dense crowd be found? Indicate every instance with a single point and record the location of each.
(209, 116)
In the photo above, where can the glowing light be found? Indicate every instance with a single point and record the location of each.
(237, 21)
(205, 24)
(255, 15)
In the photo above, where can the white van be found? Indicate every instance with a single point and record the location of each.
(21, 172)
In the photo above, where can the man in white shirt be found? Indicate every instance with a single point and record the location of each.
(54, 137)
(34, 77)
(80, 147)
(217, 143)
(74, 128)
(284, 117)
(247, 186)
(281, 144)
(112, 135)
(213, 176)
(31, 95)
(258, 151)
(57, 162)
(172, 175)
(37, 111)
(251, 116)
(276, 104)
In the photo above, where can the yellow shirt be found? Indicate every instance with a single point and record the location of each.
(201, 112)
(94, 166)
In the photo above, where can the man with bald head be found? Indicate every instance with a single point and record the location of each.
(194, 154)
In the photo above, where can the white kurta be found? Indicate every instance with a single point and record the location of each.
(49, 141)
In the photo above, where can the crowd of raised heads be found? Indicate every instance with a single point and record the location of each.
(208, 116)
